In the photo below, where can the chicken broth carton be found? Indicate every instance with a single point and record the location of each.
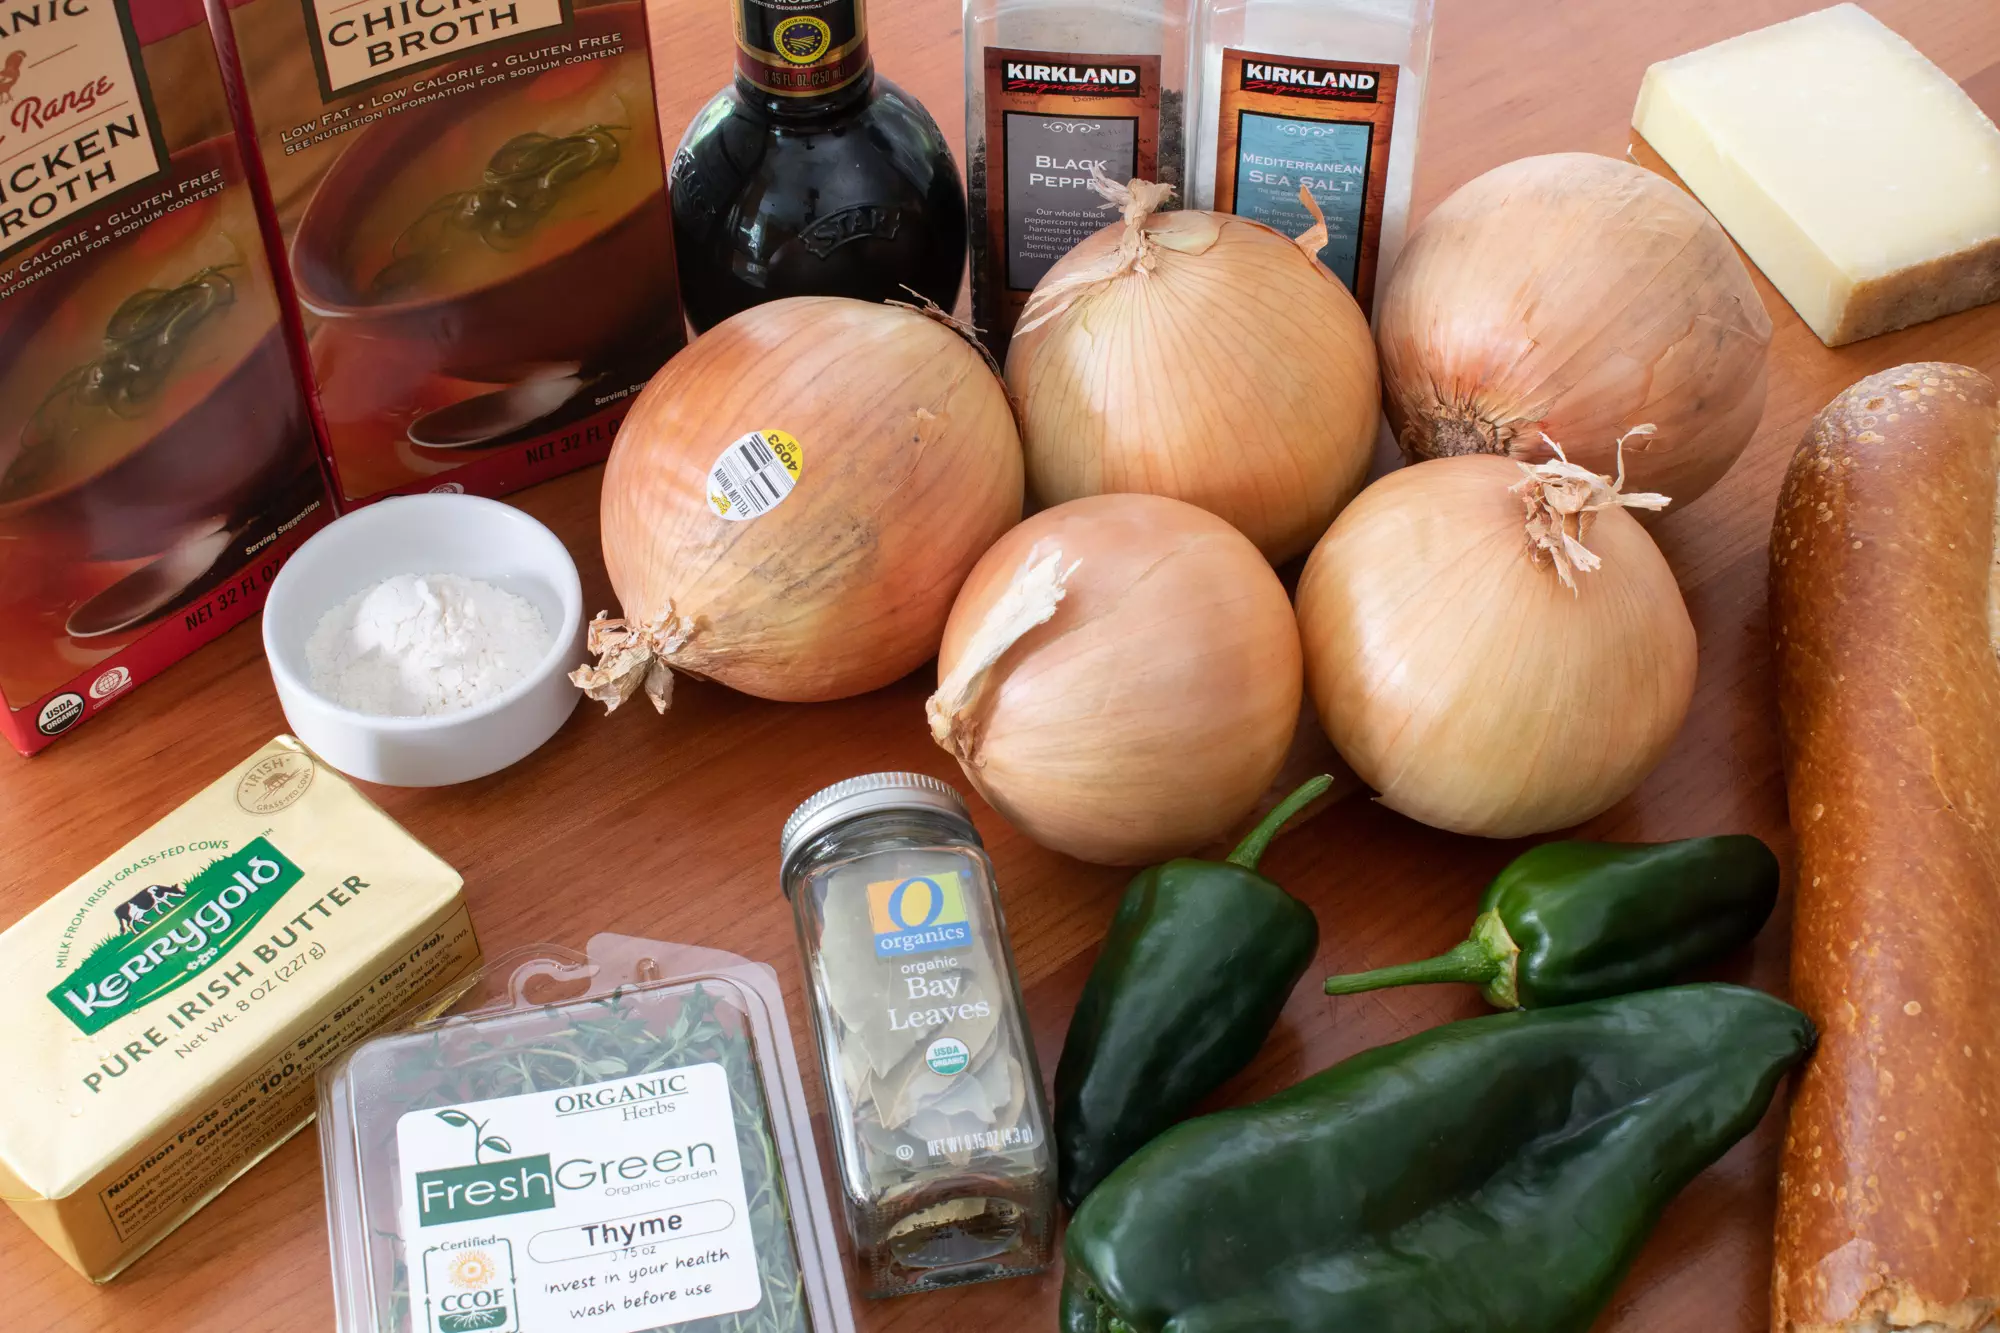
(169, 1010)
(473, 213)
(157, 462)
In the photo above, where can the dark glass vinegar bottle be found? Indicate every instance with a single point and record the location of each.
(810, 176)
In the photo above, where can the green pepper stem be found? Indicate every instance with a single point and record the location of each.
(1251, 850)
(1470, 962)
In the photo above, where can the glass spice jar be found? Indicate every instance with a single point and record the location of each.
(936, 1101)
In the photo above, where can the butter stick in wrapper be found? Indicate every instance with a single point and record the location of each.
(168, 1011)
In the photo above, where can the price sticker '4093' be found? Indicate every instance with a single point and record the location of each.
(754, 475)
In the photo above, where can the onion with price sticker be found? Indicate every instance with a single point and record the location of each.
(794, 501)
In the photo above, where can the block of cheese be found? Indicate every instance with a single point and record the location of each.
(1853, 171)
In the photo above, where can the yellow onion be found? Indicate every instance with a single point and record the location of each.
(1120, 678)
(1577, 296)
(1496, 648)
(1200, 356)
(909, 468)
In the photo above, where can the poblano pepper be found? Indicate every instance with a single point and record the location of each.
(1495, 1175)
(1571, 921)
(1196, 966)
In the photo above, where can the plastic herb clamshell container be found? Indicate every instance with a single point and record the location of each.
(610, 1142)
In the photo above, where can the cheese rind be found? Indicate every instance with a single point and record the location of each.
(1853, 172)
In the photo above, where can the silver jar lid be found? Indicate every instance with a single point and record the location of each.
(868, 794)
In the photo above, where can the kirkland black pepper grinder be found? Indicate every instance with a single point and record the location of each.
(810, 176)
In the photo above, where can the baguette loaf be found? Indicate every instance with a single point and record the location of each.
(1883, 604)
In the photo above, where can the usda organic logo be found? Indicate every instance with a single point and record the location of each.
(947, 1055)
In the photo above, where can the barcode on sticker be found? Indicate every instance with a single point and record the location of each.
(754, 475)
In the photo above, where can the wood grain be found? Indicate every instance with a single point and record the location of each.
(668, 826)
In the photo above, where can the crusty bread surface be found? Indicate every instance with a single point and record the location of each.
(1882, 575)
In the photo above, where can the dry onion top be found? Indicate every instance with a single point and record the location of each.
(1147, 232)
(1562, 497)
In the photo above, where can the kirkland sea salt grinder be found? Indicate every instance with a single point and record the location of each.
(939, 1125)
(1327, 95)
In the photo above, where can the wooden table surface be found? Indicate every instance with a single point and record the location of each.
(667, 827)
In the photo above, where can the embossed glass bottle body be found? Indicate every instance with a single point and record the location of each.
(810, 176)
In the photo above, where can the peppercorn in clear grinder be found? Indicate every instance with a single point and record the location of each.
(939, 1123)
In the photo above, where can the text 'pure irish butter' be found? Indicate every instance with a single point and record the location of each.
(173, 1005)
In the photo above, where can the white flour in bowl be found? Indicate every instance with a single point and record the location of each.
(424, 644)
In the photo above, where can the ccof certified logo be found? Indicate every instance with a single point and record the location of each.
(60, 713)
(918, 915)
(475, 1276)
(110, 683)
(802, 39)
(470, 1287)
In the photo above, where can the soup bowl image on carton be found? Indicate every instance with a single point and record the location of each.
(475, 218)
(157, 458)
(552, 218)
(118, 379)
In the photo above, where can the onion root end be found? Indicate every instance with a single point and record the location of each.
(633, 657)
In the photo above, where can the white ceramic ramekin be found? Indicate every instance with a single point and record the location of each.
(427, 534)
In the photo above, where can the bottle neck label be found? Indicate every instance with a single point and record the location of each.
(1322, 125)
(801, 48)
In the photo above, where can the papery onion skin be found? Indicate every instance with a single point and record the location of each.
(1580, 296)
(1080, 741)
(912, 468)
(1240, 379)
(1463, 681)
